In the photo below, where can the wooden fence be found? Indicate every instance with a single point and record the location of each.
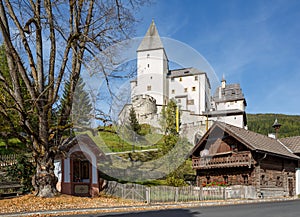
(8, 160)
(156, 194)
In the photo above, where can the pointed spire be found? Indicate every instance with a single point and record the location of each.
(151, 41)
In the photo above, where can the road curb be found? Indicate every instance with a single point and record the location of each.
(146, 207)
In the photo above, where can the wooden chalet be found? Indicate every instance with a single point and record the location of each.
(293, 143)
(235, 156)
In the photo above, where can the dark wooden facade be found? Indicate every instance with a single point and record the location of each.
(234, 156)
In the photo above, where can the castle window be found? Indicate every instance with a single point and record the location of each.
(196, 78)
(185, 90)
(179, 100)
(173, 91)
(190, 102)
(193, 88)
(148, 55)
(172, 79)
(151, 77)
(148, 87)
(148, 65)
(180, 79)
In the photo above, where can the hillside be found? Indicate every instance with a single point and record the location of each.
(262, 123)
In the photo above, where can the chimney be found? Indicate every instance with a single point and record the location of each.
(276, 126)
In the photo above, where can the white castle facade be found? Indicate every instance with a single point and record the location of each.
(156, 84)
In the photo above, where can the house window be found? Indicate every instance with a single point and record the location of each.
(190, 102)
(207, 179)
(278, 181)
(81, 170)
(180, 79)
(196, 78)
(225, 179)
(185, 90)
(148, 87)
(173, 91)
(262, 180)
(193, 88)
(245, 178)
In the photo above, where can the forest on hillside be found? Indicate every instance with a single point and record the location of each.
(262, 123)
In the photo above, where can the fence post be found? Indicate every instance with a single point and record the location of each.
(148, 195)
(201, 193)
(176, 194)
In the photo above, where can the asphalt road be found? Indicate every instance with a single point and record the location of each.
(274, 209)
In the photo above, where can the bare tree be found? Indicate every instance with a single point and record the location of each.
(47, 42)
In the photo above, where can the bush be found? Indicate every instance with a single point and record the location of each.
(176, 182)
(22, 171)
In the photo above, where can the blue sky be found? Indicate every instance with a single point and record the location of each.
(254, 43)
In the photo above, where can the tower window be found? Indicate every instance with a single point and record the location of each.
(196, 78)
(148, 55)
(179, 100)
(185, 90)
(193, 88)
(148, 65)
(173, 91)
(190, 102)
(180, 79)
(148, 87)
(172, 79)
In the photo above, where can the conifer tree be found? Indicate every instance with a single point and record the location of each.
(134, 123)
(170, 135)
(82, 106)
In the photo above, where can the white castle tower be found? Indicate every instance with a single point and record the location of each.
(152, 68)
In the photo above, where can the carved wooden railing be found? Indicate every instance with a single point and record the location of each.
(232, 160)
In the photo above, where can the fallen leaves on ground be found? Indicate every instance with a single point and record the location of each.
(30, 203)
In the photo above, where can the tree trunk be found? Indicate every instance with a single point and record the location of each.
(44, 181)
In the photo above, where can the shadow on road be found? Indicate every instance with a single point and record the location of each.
(161, 213)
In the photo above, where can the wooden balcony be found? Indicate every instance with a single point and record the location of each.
(232, 159)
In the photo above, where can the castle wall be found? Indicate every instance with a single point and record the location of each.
(235, 120)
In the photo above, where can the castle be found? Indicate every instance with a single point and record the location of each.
(156, 84)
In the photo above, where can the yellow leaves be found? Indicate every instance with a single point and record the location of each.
(29, 203)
